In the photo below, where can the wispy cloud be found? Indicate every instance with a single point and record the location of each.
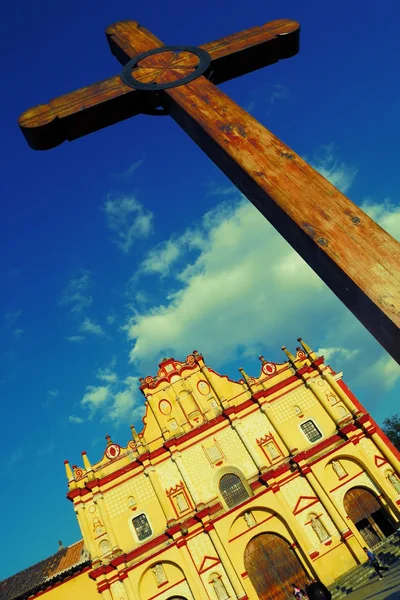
(47, 449)
(15, 457)
(18, 332)
(89, 326)
(128, 219)
(130, 170)
(10, 317)
(50, 396)
(75, 295)
(266, 96)
(115, 399)
(337, 172)
(77, 339)
(75, 419)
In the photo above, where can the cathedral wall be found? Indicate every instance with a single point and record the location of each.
(79, 586)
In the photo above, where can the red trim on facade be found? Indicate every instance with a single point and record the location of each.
(277, 387)
(347, 480)
(313, 555)
(169, 588)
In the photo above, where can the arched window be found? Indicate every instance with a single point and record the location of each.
(394, 481)
(232, 490)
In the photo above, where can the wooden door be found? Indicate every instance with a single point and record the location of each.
(272, 567)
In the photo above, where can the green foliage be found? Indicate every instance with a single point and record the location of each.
(391, 426)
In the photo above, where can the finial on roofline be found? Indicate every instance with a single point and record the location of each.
(109, 440)
(245, 377)
(134, 433)
(260, 357)
(289, 355)
(311, 354)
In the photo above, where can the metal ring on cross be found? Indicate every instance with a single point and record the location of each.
(165, 67)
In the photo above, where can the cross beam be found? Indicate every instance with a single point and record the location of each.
(353, 255)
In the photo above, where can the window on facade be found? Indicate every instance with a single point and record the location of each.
(311, 431)
(142, 527)
(232, 490)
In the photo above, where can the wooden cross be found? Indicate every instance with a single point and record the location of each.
(355, 257)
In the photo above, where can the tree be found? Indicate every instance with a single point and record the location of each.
(391, 426)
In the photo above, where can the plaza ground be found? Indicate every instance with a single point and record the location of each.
(387, 588)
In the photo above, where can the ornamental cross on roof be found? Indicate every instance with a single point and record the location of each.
(355, 257)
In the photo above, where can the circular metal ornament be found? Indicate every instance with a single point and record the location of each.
(198, 70)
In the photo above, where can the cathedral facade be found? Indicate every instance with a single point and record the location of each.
(232, 490)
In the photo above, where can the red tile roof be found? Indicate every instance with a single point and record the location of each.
(45, 573)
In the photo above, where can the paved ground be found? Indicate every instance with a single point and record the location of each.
(386, 589)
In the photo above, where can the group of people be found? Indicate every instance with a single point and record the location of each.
(317, 590)
(313, 591)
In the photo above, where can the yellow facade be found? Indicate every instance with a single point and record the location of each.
(225, 472)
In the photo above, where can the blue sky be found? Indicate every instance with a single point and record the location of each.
(129, 245)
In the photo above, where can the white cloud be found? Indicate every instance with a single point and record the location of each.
(108, 374)
(160, 259)
(384, 373)
(128, 219)
(338, 352)
(75, 295)
(18, 332)
(266, 96)
(110, 318)
(95, 397)
(75, 338)
(75, 419)
(338, 173)
(130, 170)
(47, 449)
(243, 276)
(11, 316)
(53, 393)
(89, 326)
(243, 288)
(386, 213)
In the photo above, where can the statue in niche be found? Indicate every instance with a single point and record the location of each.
(181, 503)
(339, 470)
(250, 520)
(319, 529)
(159, 574)
(104, 547)
(219, 588)
(394, 480)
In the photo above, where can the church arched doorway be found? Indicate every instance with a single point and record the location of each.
(273, 566)
(368, 515)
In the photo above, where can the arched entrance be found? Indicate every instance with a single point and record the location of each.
(272, 567)
(368, 515)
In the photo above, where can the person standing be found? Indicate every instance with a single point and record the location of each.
(373, 561)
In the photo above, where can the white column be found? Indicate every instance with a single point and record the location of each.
(159, 492)
(86, 533)
(98, 499)
(226, 562)
(178, 460)
(237, 425)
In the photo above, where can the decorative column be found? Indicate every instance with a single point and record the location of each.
(105, 592)
(237, 425)
(338, 391)
(264, 408)
(390, 457)
(156, 485)
(225, 561)
(322, 399)
(351, 537)
(178, 460)
(124, 577)
(98, 499)
(191, 574)
(86, 533)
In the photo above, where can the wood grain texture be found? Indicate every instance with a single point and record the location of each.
(101, 104)
(355, 257)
